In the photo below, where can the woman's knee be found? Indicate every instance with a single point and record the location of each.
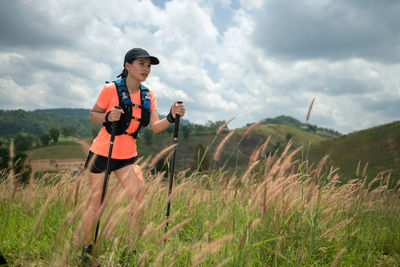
(137, 192)
(138, 171)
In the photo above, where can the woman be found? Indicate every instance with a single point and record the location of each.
(137, 65)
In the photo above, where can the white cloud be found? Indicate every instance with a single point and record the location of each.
(14, 96)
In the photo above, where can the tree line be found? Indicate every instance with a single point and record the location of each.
(37, 123)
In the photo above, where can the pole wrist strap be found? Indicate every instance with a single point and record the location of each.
(106, 118)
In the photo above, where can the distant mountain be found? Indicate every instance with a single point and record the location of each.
(287, 120)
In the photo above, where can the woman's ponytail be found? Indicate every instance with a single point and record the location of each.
(123, 74)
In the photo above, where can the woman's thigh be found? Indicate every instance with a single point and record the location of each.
(131, 177)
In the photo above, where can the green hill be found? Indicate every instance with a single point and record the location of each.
(378, 146)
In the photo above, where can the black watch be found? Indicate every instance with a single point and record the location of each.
(170, 119)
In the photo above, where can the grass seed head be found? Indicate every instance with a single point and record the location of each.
(223, 126)
(309, 109)
(221, 146)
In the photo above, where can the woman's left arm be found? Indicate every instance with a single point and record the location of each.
(158, 125)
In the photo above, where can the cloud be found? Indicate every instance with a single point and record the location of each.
(333, 30)
(25, 24)
(258, 59)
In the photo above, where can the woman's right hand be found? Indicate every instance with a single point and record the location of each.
(177, 108)
(115, 114)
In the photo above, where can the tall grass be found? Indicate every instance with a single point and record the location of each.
(280, 212)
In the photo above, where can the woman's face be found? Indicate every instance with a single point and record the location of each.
(139, 69)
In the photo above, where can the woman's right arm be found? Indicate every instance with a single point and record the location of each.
(98, 115)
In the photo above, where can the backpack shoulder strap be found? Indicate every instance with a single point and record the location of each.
(145, 96)
(122, 91)
(145, 109)
(126, 104)
(145, 101)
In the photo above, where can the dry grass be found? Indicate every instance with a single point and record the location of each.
(221, 145)
(309, 109)
(279, 212)
(224, 125)
(160, 154)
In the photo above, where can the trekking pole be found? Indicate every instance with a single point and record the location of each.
(171, 177)
(103, 193)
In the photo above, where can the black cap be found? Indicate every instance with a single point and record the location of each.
(140, 53)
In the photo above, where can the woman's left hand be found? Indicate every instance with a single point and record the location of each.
(177, 109)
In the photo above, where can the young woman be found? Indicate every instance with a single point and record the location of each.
(137, 65)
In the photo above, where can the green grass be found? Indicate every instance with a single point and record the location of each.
(60, 150)
(282, 214)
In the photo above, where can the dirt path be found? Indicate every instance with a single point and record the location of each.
(57, 164)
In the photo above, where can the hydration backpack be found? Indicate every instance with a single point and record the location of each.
(126, 104)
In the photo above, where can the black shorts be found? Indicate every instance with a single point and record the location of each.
(99, 164)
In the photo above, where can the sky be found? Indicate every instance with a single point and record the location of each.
(248, 59)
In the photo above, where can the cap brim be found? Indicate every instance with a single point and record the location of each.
(153, 60)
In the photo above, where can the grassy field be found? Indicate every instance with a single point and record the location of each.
(60, 150)
(280, 212)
